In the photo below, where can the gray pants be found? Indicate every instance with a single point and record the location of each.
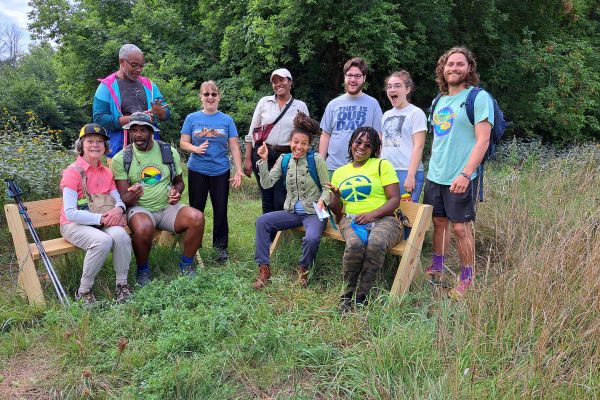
(364, 261)
(97, 244)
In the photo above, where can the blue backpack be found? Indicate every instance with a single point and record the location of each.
(312, 166)
(500, 125)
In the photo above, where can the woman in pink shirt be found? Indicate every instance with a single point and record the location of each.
(96, 233)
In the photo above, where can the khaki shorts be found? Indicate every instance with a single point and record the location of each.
(163, 219)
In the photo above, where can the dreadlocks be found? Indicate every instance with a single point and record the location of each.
(369, 133)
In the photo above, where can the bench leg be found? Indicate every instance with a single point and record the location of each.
(412, 254)
(275, 243)
(28, 278)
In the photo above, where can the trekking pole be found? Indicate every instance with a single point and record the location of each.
(15, 193)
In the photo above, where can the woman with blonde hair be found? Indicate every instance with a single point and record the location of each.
(206, 135)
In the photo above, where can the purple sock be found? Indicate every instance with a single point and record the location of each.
(466, 273)
(437, 262)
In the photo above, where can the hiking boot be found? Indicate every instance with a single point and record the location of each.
(222, 256)
(143, 278)
(346, 302)
(264, 275)
(460, 290)
(123, 292)
(186, 270)
(302, 276)
(435, 274)
(87, 297)
(361, 300)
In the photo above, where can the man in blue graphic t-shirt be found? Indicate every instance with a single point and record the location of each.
(347, 112)
(457, 150)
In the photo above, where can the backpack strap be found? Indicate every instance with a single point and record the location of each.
(312, 168)
(285, 163)
(430, 111)
(167, 157)
(470, 104)
(127, 158)
(83, 179)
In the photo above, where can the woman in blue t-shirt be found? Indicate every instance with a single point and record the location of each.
(206, 134)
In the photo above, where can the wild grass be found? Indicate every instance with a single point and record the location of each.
(530, 327)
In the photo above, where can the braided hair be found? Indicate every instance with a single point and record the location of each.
(373, 137)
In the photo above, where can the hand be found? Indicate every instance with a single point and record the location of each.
(263, 151)
(334, 190)
(113, 217)
(409, 184)
(248, 167)
(202, 148)
(364, 218)
(174, 196)
(157, 108)
(134, 193)
(459, 184)
(236, 181)
(320, 204)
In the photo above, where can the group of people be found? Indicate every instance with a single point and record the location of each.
(366, 162)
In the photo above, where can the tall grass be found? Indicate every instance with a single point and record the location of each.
(530, 327)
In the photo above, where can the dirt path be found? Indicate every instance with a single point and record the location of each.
(27, 375)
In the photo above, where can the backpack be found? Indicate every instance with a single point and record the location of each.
(496, 134)
(312, 166)
(165, 152)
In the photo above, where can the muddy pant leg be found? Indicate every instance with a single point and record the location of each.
(385, 233)
(354, 254)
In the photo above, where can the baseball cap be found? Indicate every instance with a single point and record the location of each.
(95, 129)
(140, 118)
(284, 73)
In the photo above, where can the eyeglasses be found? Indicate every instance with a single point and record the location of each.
(135, 66)
(355, 76)
(359, 142)
(212, 94)
(395, 86)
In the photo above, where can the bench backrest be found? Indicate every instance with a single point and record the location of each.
(44, 212)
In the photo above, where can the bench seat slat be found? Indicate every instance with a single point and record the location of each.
(53, 247)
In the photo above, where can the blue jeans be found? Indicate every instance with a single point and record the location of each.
(272, 222)
(419, 181)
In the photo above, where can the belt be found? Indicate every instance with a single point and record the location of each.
(279, 149)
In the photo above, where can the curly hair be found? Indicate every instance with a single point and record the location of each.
(305, 125)
(472, 76)
(373, 137)
(406, 79)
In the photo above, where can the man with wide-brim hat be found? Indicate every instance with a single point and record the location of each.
(148, 175)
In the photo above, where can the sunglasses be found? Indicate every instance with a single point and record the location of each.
(212, 94)
(359, 142)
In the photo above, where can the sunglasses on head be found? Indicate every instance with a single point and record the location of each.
(213, 94)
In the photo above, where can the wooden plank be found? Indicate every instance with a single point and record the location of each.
(28, 279)
(53, 247)
(44, 212)
(412, 254)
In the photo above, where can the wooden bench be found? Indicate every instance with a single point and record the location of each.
(408, 251)
(45, 213)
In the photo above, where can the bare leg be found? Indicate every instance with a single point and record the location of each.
(191, 221)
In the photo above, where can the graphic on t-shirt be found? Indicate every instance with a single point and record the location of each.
(150, 175)
(392, 130)
(443, 121)
(349, 118)
(206, 132)
(355, 188)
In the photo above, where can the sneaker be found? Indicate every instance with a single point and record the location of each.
(123, 292)
(87, 297)
(222, 256)
(186, 270)
(143, 278)
(435, 275)
(460, 290)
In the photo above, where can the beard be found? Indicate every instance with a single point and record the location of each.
(354, 91)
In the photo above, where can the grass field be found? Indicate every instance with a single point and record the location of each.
(530, 328)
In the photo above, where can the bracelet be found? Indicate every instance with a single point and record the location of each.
(465, 175)
(122, 208)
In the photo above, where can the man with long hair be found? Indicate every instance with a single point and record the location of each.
(458, 148)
